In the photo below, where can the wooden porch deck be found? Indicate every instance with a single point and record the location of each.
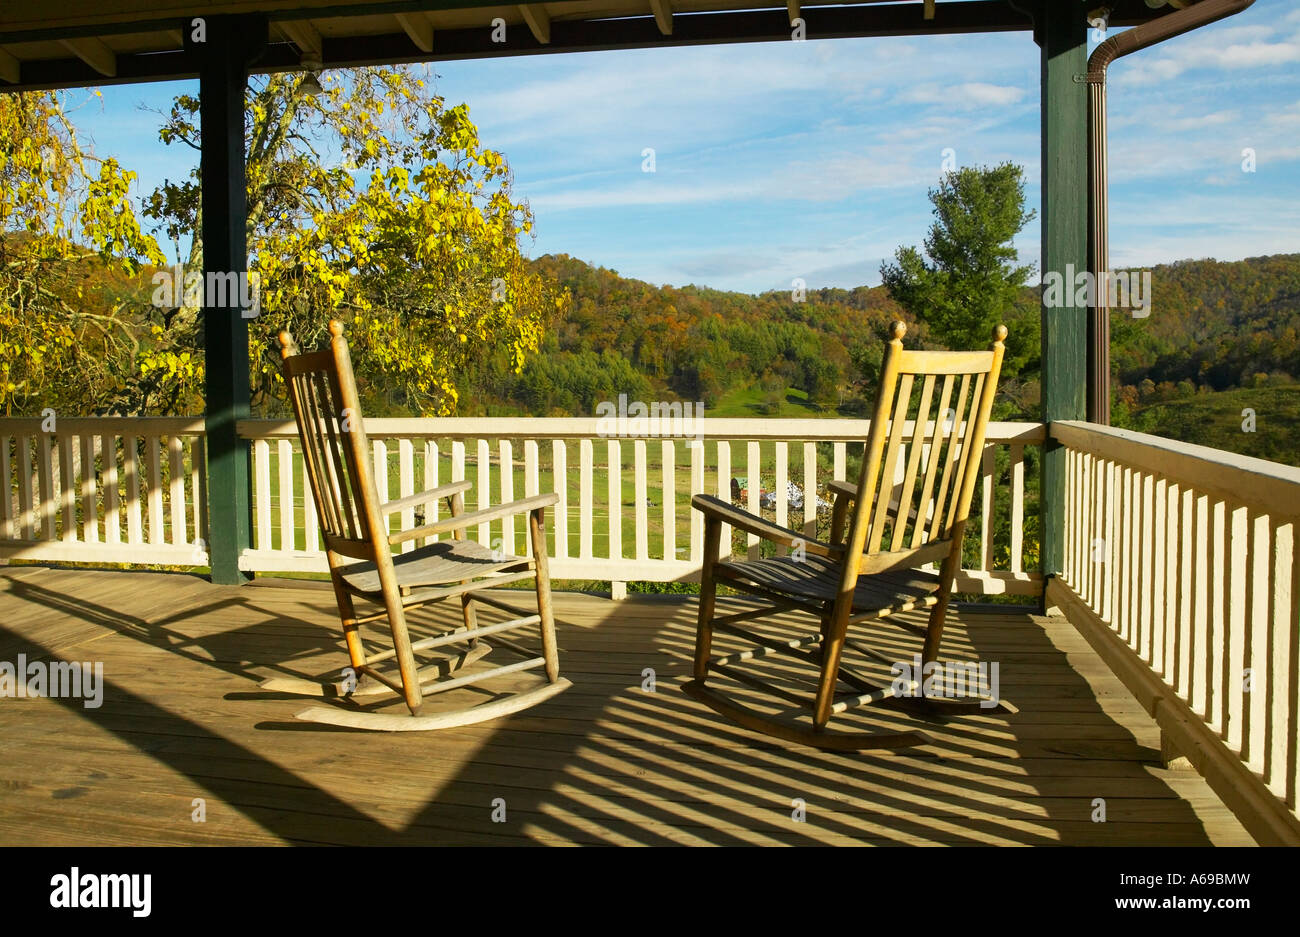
(605, 762)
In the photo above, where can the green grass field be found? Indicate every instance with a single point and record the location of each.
(1216, 420)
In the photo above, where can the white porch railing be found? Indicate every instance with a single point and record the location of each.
(103, 490)
(1181, 568)
(127, 490)
(624, 511)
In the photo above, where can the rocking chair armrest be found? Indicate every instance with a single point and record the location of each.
(843, 489)
(425, 497)
(716, 508)
(461, 521)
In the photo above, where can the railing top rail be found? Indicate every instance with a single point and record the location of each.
(806, 430)
(1236, 478)
(99, 425)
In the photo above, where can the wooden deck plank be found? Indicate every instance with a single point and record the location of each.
(605, 762)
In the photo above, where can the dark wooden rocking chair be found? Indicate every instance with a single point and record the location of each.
(358, 546)
(874, 574)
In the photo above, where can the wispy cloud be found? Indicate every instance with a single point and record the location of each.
(812, 159)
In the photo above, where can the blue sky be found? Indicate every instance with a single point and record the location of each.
(813, 159)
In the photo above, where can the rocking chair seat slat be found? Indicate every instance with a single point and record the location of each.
(435, 564)
(818, 578)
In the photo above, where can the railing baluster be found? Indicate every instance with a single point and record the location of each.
(406, 485)
(68, 487)
(697, 487)
(25, 504)
(754, 475)
(507, 494)
(1234, 616)
(1201, 607)
(176, 486)
(48, 505)
(1237, 596)
(484, 490)
(1156, 583)
(262, 472)
(195, 503)
(667, 458)
(810, 490)
(782, 488)
(1254, 687)
(89, 510)
(8, 529)
(724, 492)
(152, 458)
(1216, 620)
(586, 495)
(642, 513)
(1018, 510)
(1283, 673)
(284, 471)
(560, 485)
(108, 476)
(614, 477)
(432, 469)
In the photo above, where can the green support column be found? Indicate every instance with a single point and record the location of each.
(228, 45)
(1061, 32)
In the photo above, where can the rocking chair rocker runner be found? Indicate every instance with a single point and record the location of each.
(358, 546)
(894, 529)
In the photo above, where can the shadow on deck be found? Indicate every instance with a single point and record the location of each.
(605, 762)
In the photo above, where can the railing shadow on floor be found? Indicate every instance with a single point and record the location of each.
(608, 762)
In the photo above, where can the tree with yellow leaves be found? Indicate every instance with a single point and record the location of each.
(375, 202)
(69, 244)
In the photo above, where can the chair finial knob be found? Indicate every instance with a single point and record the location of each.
(897, 331)
(336, 328)
(1000, 333)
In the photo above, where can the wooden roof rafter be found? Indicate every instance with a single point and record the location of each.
(89, 51)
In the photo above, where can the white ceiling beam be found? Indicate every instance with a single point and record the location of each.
(793, 7)
(929, 9)
(304, 35)
(663, 12)
(10, 68)
(94, 53)
(419, 27)
(538, 20)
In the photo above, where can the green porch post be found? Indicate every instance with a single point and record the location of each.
(1061, 32)
(229, 44)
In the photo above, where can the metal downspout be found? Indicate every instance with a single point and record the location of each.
(1139, 37)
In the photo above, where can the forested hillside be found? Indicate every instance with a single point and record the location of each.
(1214, 327)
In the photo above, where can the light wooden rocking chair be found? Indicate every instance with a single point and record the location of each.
(358, 546)
(894, 530)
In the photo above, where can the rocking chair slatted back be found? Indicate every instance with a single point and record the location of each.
(322, 391)
(921, 516)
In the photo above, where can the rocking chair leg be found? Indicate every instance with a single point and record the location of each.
(549, 649)
(934, 632)
(348, 615)
(708, 599)
(832, 646)
(401, 638)
(470, 614)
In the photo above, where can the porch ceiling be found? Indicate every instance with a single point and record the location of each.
(85, 42)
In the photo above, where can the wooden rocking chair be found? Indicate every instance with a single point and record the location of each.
(358, 546)
(894, 530)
